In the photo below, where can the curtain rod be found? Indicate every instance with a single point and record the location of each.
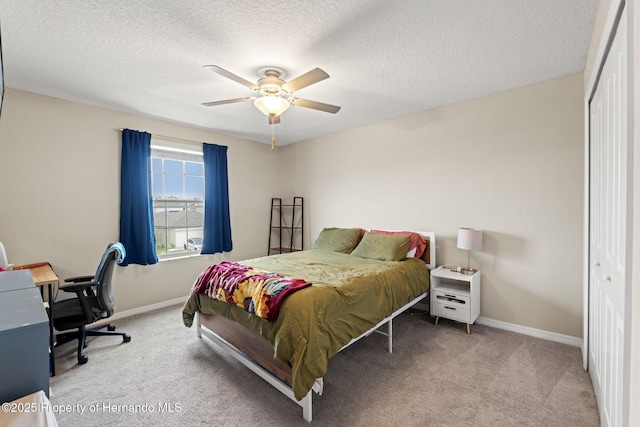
(170, 137)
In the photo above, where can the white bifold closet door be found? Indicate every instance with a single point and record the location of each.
(607, 230)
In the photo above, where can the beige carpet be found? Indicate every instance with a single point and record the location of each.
(437, 376)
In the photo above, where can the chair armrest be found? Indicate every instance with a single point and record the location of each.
(79, 279)
(83, 291)
(77, 287)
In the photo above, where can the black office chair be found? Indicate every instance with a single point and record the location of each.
(94, 301)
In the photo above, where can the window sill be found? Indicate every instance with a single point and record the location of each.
(176, 257)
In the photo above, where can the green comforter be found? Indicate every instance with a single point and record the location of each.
(348, 297)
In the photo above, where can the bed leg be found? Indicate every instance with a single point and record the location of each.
(198, 329)
(306, 406)
(390, 336)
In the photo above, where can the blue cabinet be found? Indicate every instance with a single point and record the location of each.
(24, 337)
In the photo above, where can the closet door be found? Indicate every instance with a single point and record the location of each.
(608, 227)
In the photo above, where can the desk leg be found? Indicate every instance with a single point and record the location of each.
(52, 337)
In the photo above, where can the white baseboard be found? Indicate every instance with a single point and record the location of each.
(525, 330)
(146, 308)
(538, 333)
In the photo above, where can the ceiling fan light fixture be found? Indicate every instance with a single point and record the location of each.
(272, 105)
(271, 90)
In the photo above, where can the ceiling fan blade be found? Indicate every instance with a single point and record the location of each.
(274, 120)
(229, 75)
(314, 76)
(315, 105)
(226, 101)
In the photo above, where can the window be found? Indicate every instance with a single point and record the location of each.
(177, 180)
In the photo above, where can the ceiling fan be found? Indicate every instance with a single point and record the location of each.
(274, 92)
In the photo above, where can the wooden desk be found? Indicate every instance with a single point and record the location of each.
(43, 275)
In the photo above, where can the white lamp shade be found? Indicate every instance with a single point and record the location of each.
(3, 257)
(469, 238)
(272, 105)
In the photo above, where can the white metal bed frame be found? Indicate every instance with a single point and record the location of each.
(306, 402)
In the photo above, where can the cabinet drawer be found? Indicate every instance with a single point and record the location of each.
(451, 299)
(450, 312)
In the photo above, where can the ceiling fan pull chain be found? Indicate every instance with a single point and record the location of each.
(273, 138)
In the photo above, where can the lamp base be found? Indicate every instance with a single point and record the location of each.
(468, 271)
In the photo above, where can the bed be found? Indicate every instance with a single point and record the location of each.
(360, 280)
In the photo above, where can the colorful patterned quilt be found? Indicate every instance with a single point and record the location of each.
(257, 291)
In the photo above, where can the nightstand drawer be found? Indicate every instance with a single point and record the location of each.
(450, 312)
(451, 299)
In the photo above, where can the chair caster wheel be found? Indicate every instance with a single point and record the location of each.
(111, 328)
(82, 360)
(126, 338)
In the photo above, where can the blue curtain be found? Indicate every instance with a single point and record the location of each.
(136, 208)
(217, 221)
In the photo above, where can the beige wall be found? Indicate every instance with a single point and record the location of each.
(510, 163)
(59, 180)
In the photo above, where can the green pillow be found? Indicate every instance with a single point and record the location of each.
(338, 239)
(385, 247)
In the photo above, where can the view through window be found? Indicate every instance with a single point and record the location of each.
(177, 179)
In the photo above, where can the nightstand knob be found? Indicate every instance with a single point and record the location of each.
(607, 279)
(596, 264)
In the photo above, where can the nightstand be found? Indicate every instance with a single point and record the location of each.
(455, 296)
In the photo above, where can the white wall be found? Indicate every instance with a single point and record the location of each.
(510, 163)
(59, 183)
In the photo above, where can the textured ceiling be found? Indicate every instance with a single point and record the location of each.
(386, 58)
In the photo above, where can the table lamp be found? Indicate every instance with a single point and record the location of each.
(469, 239)
(3, 257)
